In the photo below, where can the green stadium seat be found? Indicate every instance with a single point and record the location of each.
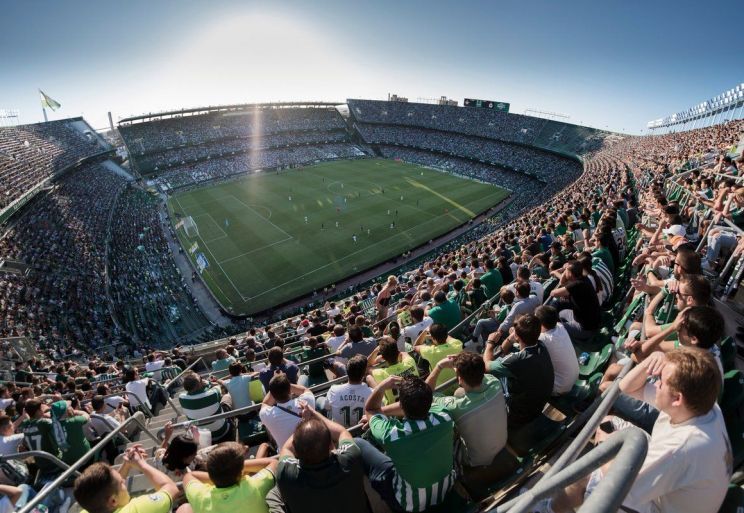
(735, 428)
(597, 361)
(732, 396)
(728, 354)
(734, 501)
(536, 436)
(582, 390)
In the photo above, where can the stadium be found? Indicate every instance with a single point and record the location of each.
(370, 303)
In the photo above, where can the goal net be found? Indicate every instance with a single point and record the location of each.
(189, 226)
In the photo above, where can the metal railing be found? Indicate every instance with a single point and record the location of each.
(30, 505)
(627, 450)
(36, 454)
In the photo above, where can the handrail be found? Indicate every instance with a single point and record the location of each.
(140, 401)
(109, 422)
(180, 375)
(30, 505)
(36, 454)
(626, 448)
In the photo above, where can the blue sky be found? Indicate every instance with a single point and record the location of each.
(611, 65)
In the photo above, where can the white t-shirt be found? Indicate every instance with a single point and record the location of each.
(281, 424)
(346, 403)
(414, 330)
(536, 289)
(138, 388)
(563, 357)
(112, 403)
(155, 367)
(687, 467)
(102, 426)
(9, 444)
(335, 342)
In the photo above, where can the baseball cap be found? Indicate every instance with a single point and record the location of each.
(675, 230)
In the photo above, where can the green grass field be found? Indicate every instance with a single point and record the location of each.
(262, 251)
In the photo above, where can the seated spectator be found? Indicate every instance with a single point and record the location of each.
(101, 489)
(38, 433)
(434, 345)
(527, 375)
(225, 488)
(356, 343)
(688, 462)
(524, 276)
(143, 391)
(417, 468)
(581, 313)
(68, 431)
(314, 349)
(239, 386)
(479, 401)
(154, 363)
(321, 460)
(345, 401)
(202, 400)
(280, 411)
(492, 280)
(420, 323)
(222, 361)
(445, 311)
(394, 363)
(277, 363)
(523, 304)
(562, 354)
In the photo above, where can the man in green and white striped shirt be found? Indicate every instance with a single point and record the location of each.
(417, 469)
(202, 400)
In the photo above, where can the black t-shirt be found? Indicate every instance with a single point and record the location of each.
(336, 484)
(584, 303)
(529, 381)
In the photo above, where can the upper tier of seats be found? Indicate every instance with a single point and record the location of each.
(29, 154)
(551, 135)
(157, 139)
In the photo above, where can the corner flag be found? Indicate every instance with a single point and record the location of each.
(47, 101)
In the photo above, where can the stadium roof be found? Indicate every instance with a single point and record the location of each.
(223, 108)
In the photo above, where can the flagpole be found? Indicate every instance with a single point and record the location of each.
(43, 109)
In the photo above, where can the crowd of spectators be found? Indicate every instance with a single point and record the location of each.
(547, 167)
(483, 122)
(159, 135)
(545, 280)
(60, 300)
(182, 155)
(29, 154)
(149, 294)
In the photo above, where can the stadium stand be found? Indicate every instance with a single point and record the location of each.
(29, 154)
(615, 272)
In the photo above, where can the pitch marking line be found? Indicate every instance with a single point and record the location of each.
(349, 255)
(255, 250)
(259, 215)
(206, 246)
(223, 236)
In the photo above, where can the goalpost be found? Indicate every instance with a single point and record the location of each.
(189, 226)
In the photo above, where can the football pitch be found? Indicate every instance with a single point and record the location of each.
(269, 237)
